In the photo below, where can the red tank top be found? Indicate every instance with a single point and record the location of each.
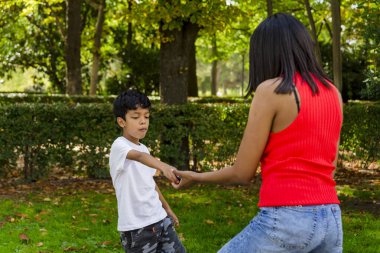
(297, 163)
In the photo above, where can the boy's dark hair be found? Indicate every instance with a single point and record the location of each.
(279, 47)
(129, 100)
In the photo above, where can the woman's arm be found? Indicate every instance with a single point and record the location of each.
(261, 114)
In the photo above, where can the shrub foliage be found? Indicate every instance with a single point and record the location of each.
(36, 137)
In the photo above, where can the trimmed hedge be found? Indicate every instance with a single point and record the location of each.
(78, 137)
(34, 138)
(11, 98)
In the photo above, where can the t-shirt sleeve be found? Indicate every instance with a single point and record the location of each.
(119, 151)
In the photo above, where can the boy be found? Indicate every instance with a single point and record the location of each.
(144, 221)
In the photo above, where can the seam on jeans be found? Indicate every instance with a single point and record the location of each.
(339, 242)
(315, 219)
(325, 224)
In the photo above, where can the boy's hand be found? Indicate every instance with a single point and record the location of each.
(173, 216)
(168, 172)
(187, 179)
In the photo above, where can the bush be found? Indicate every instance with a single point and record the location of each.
(360, 138)
(372, 86)
(77, 137)
(139, 69)
(10, 98)
(48, 135)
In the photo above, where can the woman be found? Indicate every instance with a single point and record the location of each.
(293, 131)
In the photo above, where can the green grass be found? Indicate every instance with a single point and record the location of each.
(83, 220)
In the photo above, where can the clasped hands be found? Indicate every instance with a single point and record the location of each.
(180, 179)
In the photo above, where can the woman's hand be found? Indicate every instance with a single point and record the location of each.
(187, 178)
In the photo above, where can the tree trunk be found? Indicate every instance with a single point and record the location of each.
(177, 63)
(214, 68)
(192, 65)
(73, 46)
(129, 32)
(96, 49)
(242, 73)
(313, 32)
(269, 8)
(337, 55)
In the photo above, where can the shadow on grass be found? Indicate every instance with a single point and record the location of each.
(359, 190)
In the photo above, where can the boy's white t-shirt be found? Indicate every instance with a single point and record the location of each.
(138, 201)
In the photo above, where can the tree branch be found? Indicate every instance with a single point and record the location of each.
(61, 27)
(93, 4)
(328, 27)
(42, 30)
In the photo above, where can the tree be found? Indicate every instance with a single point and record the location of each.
(337, 56)
(214, 68)
(179, 25)
(30, 39)
(73, 47)
(177, 57)
(100, 7)
(269, 8)
(313, 31)
(218, 47)
(131, 48)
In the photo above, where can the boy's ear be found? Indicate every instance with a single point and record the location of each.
(121, 122)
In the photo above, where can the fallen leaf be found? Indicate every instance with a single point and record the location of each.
(40, 244)
(44, 212)
(21, 215)
(105, 243)
(74, 248)
(106, 221)
(24, 238)
(181, 237)
(209, 222)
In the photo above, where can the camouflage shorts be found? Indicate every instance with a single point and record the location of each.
(159, 237)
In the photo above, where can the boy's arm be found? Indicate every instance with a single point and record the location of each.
(167, 208)
(153, 162)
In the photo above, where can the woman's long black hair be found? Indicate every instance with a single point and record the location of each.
(279, 47)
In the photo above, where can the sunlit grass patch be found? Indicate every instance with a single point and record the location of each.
(84, 220)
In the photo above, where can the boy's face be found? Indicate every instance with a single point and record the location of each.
(135, 125)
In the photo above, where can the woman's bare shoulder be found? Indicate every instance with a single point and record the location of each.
(268, 87)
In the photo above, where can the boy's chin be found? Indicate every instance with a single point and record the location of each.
(140, 136)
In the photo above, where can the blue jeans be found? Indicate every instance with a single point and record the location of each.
(291, 229)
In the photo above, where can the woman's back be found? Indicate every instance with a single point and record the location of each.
(298, 160)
